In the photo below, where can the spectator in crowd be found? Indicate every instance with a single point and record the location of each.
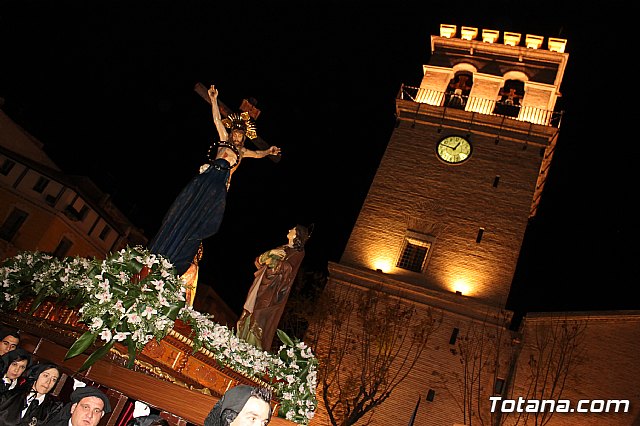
(241, 405)
(13, 364)
(32, 403)
(9, 340)
(88, 405)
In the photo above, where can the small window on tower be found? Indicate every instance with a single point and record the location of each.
(509, 100)
(415, 251)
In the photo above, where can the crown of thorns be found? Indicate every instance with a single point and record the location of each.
(241, 122)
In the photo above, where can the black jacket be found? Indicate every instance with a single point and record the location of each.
(4, 387)
(61, 418)
(13, 402)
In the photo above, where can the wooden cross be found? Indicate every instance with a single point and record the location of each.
(246, 106)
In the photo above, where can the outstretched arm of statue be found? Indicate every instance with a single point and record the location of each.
(273, 150)
(217, 117)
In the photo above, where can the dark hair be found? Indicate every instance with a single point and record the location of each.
(35, 370)
(302, 235)
(227, 417)
(229, 406)
(18, 354)
(263, 394)
(8, 331)
(150, 420)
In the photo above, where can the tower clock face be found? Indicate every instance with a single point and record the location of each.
(454, 149)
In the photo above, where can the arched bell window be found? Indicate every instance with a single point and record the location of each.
(510, 97)
(458, 90)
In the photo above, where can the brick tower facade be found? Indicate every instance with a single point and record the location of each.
(441, 229)
(455, 221)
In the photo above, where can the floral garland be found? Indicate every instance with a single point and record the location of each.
(134, 296)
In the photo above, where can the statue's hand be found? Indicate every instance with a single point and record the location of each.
(213, 92)
(279, 252)
(272, 258)
(274, 150)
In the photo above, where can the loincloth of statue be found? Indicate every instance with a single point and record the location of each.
(196, 214)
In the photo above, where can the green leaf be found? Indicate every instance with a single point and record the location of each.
(113, 283)
(77, 299)
(304, 371)
(122, 326)
(130, 299)
(132, 352)
(24, 290)
(134, 266)
(173, 311)
(116, 287)
(61, 300)
(284, 338)
(94, 270)
(37, 301)
(95, 356)
(81, 345)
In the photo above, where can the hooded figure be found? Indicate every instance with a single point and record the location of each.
(235, 404)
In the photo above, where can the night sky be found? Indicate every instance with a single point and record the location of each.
(107, 86)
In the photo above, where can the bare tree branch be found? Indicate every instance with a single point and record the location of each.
(366, 344)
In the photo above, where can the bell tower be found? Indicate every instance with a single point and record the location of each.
(465, 166)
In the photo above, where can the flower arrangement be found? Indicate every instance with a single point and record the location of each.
(134, 296)
(292, 371)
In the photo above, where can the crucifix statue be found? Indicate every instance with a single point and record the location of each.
(247, 105)
(197, 211)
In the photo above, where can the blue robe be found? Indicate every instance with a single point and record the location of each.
(195, 214)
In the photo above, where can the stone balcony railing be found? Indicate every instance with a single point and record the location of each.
(484, 106)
